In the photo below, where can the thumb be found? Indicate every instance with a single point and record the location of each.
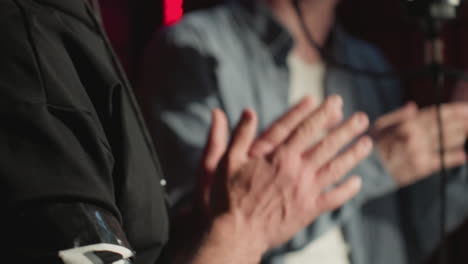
(214, 150)
(217, 141)
(406, 112)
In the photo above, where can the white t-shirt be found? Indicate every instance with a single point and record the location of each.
(330, 248)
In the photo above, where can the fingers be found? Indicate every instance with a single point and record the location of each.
(313, 127)
(454, 125)
(242, 139)
(334, 142)
(457, 111)
(453, 115)
(216, 143)
(339, 195)
(214, 150)
(453, 138)
(281, 129)
(333, 171)
(452, 159)
(402, 114)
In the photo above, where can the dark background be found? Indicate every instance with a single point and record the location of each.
(401, 38)
(131, 24)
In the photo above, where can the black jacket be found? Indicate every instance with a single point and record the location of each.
(76, 162)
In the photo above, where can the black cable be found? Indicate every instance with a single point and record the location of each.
(438, 86)
(443, 180)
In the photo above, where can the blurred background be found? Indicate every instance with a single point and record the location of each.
(132, 23)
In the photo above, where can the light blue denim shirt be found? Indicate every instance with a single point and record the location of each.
(233, 56)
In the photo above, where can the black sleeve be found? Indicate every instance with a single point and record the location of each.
(52, 146)
(54, 158)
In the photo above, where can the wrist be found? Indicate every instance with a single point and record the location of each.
(232, 240)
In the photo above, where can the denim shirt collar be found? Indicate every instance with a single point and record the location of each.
(260, 18)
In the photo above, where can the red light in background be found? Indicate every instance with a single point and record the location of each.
(172, 11)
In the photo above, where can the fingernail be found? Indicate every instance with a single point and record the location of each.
(247, 114)
(362, 119)
(306, 103)
(336, 100)
(409, 104)
(307, 100)
(357, 181)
